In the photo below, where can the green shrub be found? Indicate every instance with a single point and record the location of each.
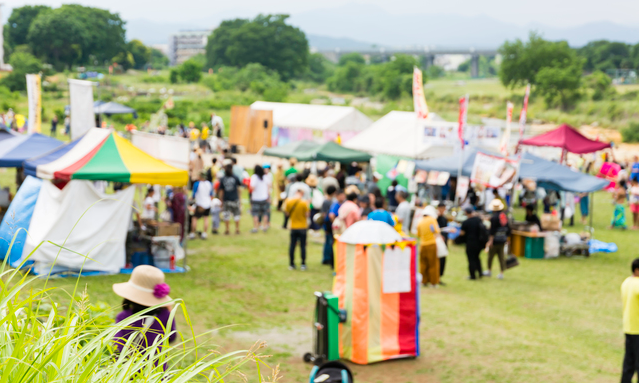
(174, 76)
(190, 71)
(631, 132)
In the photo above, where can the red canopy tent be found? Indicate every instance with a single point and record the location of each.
(568, 139)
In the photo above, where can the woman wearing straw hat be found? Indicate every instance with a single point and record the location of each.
(145, 288)
(499, 237)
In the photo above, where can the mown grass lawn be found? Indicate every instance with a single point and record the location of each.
(548, 321)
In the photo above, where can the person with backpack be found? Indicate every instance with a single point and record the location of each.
(499, 237)
(327, 258)
(476, 236)
(297, 209)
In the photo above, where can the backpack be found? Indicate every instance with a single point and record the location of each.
(484, 235)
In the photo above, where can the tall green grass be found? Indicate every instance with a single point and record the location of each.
(44, 340)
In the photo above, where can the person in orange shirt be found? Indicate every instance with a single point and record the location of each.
(427, 232)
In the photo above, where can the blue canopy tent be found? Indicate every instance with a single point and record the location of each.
(14, 151)
(31, 165)
(6, 133)
(547, 174)
(109, 109)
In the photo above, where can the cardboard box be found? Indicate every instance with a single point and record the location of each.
(550, 222)
(167, 228)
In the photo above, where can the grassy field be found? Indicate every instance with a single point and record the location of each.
(549, 320)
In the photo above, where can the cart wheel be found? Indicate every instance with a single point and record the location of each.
(308, 357)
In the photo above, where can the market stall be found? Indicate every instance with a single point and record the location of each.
(68, 210)
(376, 282)
(320, 123)
(568, 139)
(306, 151)
(290, 149)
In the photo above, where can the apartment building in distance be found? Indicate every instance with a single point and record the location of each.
(186, 44)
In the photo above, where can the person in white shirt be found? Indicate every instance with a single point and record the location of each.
(269, 180)
(297, 185)
(260, 201)
(149, 205)
(402, 212)
(203, 195)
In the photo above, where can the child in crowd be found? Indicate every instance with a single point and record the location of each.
(145, 288)
(216, 209)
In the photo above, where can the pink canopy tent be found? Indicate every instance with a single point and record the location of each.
(568, 139)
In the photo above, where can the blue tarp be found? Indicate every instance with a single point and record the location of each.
(547, 174)
(31, 164)
(16, 150)
(18, 218)
(6, 133)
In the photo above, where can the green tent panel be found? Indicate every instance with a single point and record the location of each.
(307, 151)
(331, 151)
(291, 149)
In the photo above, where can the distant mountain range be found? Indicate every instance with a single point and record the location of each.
(353, 26)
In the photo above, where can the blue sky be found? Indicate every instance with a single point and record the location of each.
(551, 12)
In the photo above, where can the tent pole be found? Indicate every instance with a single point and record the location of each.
(185, 234)
(591, 213)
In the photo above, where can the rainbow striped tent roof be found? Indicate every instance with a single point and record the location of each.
(103, 155)
(377, 285)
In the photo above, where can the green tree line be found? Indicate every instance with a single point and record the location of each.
(70, 35)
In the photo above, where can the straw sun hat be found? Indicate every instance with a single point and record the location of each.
(496, 205)
(311, 180)
(146, 287)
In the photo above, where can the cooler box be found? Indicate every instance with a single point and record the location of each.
(535, 248)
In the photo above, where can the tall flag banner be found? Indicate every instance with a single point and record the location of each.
(463, 118)
(34, 99)
(82, 114)
(419, 100)
(505, 140)
(522, 116)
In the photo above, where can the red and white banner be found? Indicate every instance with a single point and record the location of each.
(522, 116)
(419, 100)
(463, 118)
(505, 140)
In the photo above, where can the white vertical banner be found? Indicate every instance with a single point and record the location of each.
(82, 115)
(34, 100)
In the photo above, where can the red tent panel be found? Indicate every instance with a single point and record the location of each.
(567, 138)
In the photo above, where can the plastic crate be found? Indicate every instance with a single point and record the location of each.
(535, 248)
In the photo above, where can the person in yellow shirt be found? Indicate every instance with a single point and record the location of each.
(297, 209)
(427, 232)
(630, 301)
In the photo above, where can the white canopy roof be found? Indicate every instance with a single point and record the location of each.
(400, 134)
(315, 117)
(370, 232)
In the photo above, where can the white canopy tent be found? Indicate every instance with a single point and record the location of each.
(401, 134)
(294, 122)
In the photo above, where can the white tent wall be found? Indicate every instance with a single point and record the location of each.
(315, 117)
(400, 134)
(83, 220)
(170, 149)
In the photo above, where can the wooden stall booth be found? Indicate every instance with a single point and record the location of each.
(250, 129)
